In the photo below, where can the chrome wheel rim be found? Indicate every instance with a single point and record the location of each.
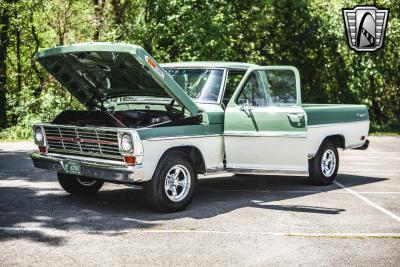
(177, 183)
(328, 163)
(85, 181)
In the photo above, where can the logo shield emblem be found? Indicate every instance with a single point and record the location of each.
(365, 27)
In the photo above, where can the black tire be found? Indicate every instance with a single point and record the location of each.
(155, 192)
(79, 185)
(317, 175)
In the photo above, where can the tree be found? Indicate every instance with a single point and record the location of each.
(5, 13)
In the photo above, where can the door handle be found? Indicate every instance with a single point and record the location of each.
(295, 117)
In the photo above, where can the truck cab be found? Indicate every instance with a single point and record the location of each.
(160, 125)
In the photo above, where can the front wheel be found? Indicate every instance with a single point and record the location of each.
(172, 185)
(79, 185)
(324, 166)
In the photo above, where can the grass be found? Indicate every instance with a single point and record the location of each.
(384, 134)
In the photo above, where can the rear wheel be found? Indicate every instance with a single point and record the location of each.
(324, 166)
(79, 185)
(172, 185)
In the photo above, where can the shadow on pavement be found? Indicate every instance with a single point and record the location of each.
(117, 208)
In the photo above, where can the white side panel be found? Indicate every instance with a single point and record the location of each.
(212, 149)
(352, 133)
(267, 152)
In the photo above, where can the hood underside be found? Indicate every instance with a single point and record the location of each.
(95, 72)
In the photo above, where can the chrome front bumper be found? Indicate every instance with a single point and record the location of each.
(111, 171)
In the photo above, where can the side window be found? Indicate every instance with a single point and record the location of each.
(232, 82)
(281, 86)
(253, 91)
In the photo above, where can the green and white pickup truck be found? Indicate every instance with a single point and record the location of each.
(159, 126)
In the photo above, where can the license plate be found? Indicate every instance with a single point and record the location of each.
(72, 167)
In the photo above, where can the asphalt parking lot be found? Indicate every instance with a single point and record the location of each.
(233, 220)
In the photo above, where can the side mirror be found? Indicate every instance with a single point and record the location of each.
(246, 107)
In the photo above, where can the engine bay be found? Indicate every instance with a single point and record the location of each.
(127, 118)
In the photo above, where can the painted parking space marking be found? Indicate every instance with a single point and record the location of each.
(296, 191)
(369, 157)
(341, 171)
(369, 202)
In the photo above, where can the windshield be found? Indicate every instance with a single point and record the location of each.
(203, 85)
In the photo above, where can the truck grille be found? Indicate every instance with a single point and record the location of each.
(83, 141)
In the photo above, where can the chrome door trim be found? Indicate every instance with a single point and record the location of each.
(181, 137)
(266, 134)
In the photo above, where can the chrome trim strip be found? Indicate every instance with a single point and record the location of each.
(266, 134)
(181, 137)
(86, 159)
(267, 172)
(117, 129)
(337, 124)
(88, 154)
(222, 88)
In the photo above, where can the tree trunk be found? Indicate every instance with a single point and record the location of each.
(98, 17)
(148, 17)
(19, 66)
(4, 39)
(38, 90)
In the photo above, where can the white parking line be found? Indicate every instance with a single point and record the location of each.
(378, 192)
(369, 157)
(389, 213)
(295, 191)
(370, 152)
(369, 170)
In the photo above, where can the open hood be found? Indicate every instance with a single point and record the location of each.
(94, 72)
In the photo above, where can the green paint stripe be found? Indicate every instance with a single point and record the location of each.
(328, 114)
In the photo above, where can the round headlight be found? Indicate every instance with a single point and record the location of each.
(38, 135)
(126, 143)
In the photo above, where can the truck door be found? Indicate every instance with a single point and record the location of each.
(265, 126)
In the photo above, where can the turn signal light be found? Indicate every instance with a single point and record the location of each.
(131, 160)
(151, 62)
(42, 149)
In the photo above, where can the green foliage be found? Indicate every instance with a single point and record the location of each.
(307, 34)
(390, 127)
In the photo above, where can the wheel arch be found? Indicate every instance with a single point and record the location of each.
(194, 153)
(338, 140)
